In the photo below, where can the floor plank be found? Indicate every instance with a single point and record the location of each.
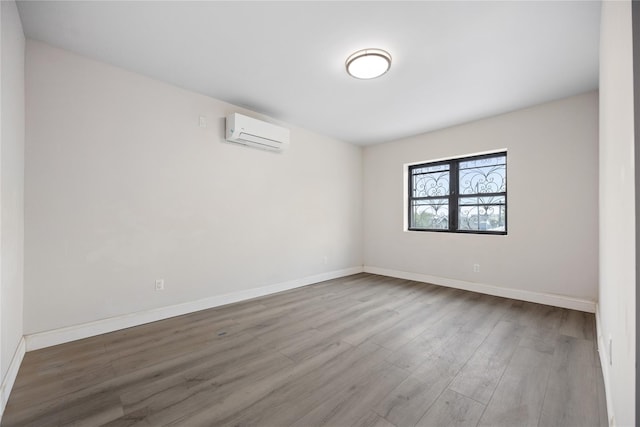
(294, 399)
(373, 420)
(518, 398)
(452, 409)
(479, 377)
(352, 404)
(408, 402)
(571, 396)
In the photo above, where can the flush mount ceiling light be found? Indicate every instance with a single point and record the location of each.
(368, 63)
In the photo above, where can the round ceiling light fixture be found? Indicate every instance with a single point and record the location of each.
(368, 63)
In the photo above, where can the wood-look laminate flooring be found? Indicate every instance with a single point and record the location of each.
(364, 350)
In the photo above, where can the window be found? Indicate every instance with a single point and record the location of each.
(467, 195)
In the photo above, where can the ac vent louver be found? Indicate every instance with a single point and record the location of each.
(256, 133)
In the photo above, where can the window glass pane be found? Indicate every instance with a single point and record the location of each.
(430, 214)
(427, 183)
(488, 175)
(487, 161)
(482, 218)
(483, 200)
(430, 168)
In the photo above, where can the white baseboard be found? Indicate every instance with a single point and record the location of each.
(604, 364)
(85, 330)
(12, 373)
(537, 297)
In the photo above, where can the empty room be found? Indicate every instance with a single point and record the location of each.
(305, 213)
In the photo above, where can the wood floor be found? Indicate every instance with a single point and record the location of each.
(364, 350)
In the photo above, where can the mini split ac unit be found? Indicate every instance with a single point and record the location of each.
(256, 133)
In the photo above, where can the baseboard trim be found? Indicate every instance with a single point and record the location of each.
(537, 297)
(604, 365)
(76, 332)
(12, 373)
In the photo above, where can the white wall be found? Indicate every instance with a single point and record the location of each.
(12, 136)
(617, 309)
(552, 241)
(123, 187)
(12, 183)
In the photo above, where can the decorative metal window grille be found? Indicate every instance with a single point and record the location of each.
(467, 195)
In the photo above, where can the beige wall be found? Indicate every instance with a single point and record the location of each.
(12, 183)
(552, 241)
(123, 187)
(617, 308)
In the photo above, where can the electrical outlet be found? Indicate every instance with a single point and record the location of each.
(325, 260)
(610, 351)
(202, 121)
(476, 268)
(159, 284)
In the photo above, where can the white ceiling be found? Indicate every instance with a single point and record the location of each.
(452, 61)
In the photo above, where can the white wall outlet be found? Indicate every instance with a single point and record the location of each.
(610, 351)
(202, 121)
(159, 284)
(325, 260)
(476, 268)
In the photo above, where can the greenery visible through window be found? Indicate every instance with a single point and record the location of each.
(467, 195)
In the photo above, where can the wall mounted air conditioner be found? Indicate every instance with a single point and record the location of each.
(256, 133)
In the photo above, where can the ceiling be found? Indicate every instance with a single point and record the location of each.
(453, 62)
